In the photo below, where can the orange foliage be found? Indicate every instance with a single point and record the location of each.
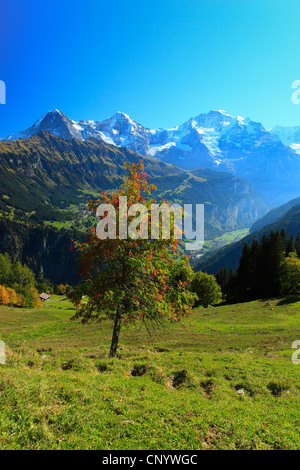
(4, 296)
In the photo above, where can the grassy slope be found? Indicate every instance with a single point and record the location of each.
(60, 391)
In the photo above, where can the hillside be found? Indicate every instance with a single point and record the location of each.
(230, 255)
(46, 181)
(273, 215)
(47, 171)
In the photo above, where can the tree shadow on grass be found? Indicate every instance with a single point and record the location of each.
(291, 299)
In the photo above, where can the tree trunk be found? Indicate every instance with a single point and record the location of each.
(116, 334)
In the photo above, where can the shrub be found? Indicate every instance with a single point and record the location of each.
(31, 298)
(61, 289)
(206, 288)
(290, 275)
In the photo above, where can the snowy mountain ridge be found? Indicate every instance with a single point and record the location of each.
(213, 140)
(123, 131)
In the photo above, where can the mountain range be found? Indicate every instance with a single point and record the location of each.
(268, 159)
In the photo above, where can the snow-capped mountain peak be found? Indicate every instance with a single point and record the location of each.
(119, 116)
(53, 121)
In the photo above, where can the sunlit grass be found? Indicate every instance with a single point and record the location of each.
(179, 389)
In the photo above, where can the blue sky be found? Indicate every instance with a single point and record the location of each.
(160, 61)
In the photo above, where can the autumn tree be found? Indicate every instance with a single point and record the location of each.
(60, 289)
(31, 298)
(130, 278)
(4, 296)
(13, 297)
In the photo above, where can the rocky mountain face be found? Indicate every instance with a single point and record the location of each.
(215, 140)
(45, 250)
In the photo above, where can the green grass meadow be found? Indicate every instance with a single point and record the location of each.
(221, 379)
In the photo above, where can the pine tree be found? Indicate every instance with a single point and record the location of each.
(278, 246)
(232, 289)
(222, 278)
(244, 272)
(254, 263)
(297, 245)
(290, 246)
